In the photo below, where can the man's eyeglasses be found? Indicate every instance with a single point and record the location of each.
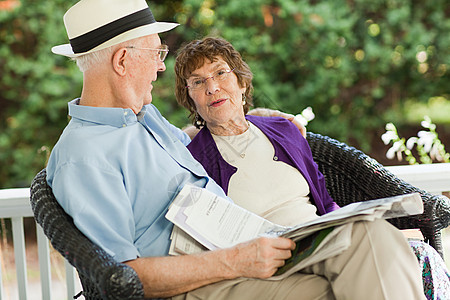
(200, 83)
(162, 52)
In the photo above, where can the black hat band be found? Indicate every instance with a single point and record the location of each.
(98, 36)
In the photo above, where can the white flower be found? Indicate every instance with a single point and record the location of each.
(426, 140)
(397, 145)
(426, 123)
(434, 153)
(305, 116)
(388, 136)
(308, 114)
(390, 153)
(301, 119)
(395, 149)
(390, 127)
(410, 142)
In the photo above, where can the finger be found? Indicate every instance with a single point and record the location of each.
(300, 127)
(289, 117)
(283, 254)
(283, 243)
(294, 120)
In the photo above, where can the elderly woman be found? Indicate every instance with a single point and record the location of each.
(263, 164)
(266, 166)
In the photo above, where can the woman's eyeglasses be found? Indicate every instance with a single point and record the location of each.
(199, 83)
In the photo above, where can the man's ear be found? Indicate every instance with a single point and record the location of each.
(118, 61)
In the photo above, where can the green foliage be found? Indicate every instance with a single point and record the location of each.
(35, 87)
(356, 63)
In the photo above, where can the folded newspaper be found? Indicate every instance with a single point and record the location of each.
(205, 221)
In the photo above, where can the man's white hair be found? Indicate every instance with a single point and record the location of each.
(85, 62)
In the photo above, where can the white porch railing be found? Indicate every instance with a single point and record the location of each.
(15, 205)
(433, 178)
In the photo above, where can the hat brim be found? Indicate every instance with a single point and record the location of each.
(135, 33)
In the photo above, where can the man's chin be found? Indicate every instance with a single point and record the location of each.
(148, 101)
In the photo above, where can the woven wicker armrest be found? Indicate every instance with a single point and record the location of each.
(353, 176)
(101, 276)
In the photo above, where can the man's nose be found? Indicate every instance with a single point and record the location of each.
(161, 66)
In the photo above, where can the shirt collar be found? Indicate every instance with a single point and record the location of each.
(112, 116)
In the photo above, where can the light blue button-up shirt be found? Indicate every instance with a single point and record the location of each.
(116, 173)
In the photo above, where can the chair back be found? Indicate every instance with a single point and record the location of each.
(353, 176)
(101, 276)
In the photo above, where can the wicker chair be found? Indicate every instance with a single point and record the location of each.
(350, 176)
(101, 276)
(353, 176)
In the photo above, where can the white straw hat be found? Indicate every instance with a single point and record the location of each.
(93, 25)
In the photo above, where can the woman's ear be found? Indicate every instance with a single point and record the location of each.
(243, 89)
(118, 61)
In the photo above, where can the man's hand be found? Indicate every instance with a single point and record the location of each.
(262, 112)
(266, 112)
(259, 258)
(191, 131)
(169, 276)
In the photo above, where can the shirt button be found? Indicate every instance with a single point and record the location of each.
(125, 113)
(124, 125)
(275, 157)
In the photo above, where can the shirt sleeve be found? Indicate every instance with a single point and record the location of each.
(180, 134)
(97, 200)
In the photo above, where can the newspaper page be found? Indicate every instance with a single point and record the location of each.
(314, 248)
(182, 243)
(390, 207)
(215, 222)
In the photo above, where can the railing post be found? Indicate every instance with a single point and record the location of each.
(1, 282)
(19, 253)
(44, 263)
(70, 279)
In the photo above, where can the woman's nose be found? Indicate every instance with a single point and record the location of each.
(212, 86)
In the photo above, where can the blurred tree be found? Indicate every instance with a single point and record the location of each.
(355, 62)
(33, 82)
(352, 61)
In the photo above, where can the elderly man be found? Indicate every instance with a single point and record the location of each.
(119, 163)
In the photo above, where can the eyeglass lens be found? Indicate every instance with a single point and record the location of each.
(198, 83)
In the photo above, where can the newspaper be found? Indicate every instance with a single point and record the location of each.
(182, 243)
(205, 221)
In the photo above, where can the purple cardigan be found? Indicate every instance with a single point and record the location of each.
(290, 147)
